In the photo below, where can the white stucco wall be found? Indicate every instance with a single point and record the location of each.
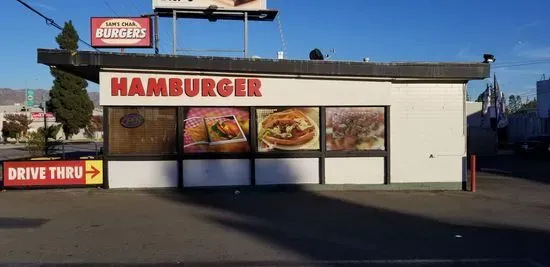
(143, 174)
(279, 91)
(287, 171)
(223, 172)
(427, 132)
(427, 128)
(354, 170)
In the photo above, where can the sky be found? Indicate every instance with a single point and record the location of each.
(382, 30)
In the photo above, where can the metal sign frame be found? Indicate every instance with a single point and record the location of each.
(214, 15)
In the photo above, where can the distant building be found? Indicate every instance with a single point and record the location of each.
(543, 98)
(38, 123)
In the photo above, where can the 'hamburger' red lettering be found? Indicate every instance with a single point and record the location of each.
(191, 87)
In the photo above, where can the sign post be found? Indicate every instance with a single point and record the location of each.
(213, 10)
(45, 126)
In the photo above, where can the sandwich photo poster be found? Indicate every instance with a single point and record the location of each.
(216, 129)
(355, 128)
(288, 129)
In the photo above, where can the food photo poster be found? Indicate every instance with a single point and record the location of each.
(355, 129)
(288, 129)
(216, 130)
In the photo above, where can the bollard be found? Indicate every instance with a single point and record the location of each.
(473, 169)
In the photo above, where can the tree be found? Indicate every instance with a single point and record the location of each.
(480, 97)
(514, 103)
(9, 130)
(69, 100)
(15, 126)
(36, 142)
(51, 131)
(528, 106)
(95, 125)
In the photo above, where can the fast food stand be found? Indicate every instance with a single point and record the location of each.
(186, 121)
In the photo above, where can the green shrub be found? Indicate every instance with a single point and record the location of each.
(36, 144)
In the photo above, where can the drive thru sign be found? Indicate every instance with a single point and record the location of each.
(53, 173)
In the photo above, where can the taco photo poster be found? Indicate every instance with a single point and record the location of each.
(216, 130)
(288, 129)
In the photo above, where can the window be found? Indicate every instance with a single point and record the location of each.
(288, 129)
(142, 130)
(216, 129)
(355, 128)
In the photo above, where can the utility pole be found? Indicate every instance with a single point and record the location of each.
(156, 33)
(45, 126)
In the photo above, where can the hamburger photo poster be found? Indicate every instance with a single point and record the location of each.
(216, 130)
(355, 128)
(288, 129)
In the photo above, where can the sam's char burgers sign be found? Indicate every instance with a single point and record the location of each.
(121, 32)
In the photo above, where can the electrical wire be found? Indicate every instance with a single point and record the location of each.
(521, 64)
(110, 7)
(51, 22)
(162, 41)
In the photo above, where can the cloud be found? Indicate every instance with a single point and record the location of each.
(525, 50)
(465, 53)
(44, 6)
(529, 25)
(539, 53)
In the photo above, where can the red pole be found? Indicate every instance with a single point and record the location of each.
(473, 169)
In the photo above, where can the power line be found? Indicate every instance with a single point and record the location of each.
(520, 61)
(111, 8)
(521, 64)
(51, 22)
(161, 40)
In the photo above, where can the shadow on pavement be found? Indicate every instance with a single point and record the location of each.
(13, 223)
(527, 168)
(325, 228)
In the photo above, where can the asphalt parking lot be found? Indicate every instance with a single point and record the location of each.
(75, 149)
(505, 223)
(520, 167)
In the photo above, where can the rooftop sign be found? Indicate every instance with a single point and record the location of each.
(121, 32)
(205, 4)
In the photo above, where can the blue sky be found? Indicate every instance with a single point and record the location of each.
(383, 30)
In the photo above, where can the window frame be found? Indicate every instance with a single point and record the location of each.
(109, 155)
(254, 154)
(290, 153)
(213, 155)
(360, 153)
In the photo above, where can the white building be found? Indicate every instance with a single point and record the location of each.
(160, 135)
(39, 123)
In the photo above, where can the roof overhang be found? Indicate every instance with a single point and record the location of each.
(87, 64)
